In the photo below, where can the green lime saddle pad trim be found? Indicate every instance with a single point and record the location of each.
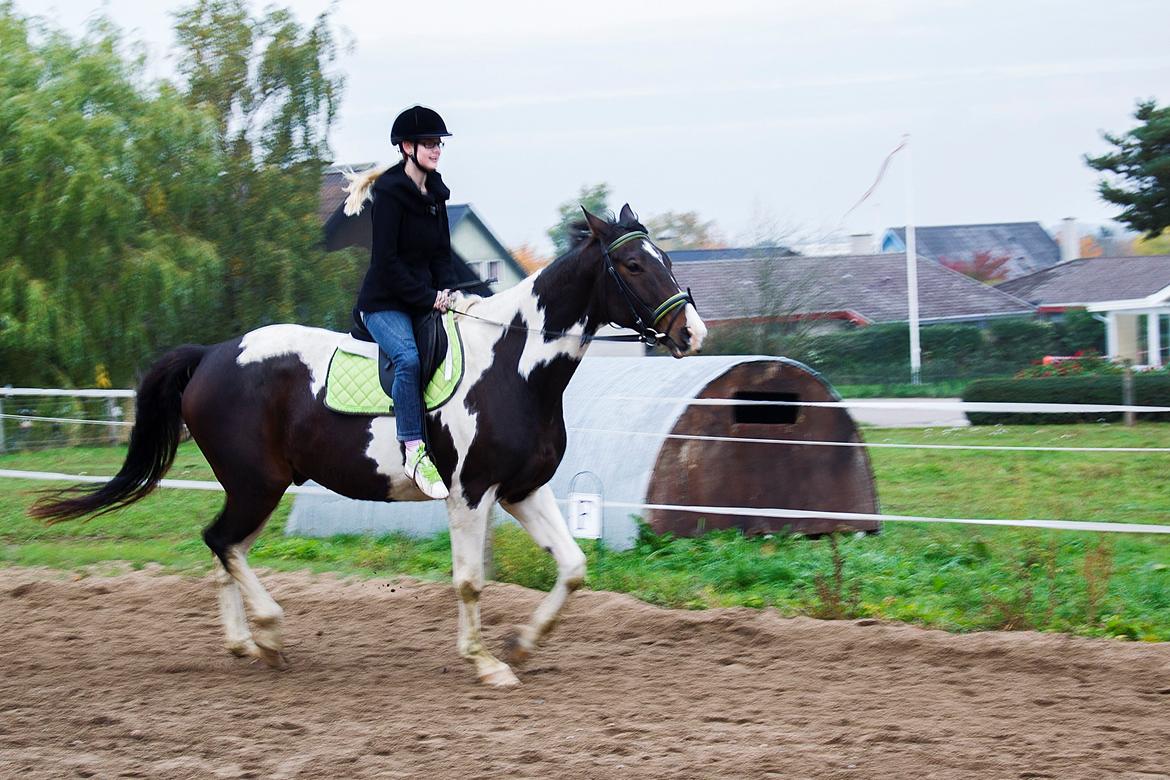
(352, 386)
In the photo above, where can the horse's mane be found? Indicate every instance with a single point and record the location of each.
(579, 233)
(359, 187)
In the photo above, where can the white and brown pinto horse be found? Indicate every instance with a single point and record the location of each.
(255, 407)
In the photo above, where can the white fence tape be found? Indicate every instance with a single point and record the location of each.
(73, 420)
(88, 393)
(930, 405)
(1062, 525)
(921, 404)
(866, 444)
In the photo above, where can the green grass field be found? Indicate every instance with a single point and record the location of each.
(954, 577)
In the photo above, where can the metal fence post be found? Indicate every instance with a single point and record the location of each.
(3, 422)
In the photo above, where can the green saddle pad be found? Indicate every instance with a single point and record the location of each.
(352, 386)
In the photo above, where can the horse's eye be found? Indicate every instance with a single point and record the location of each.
(634, 266)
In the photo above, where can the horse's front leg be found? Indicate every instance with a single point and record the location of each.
(468, 529)
(541, 517)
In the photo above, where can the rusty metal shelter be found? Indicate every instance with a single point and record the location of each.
(642, 465)
(623, 445)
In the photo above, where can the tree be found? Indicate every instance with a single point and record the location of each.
(528, 258)
(104, 184)
(267, 83)
(684, 230)
(1159, 245)
(1141, 171)
(983, 266)
(593, 197)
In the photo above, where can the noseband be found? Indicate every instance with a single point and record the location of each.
(647, 333)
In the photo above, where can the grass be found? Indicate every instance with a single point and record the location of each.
(958, 578)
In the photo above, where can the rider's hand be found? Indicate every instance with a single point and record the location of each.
(443, 300)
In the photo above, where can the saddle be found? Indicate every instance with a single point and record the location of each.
(361, 375)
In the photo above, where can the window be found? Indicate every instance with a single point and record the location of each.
(765, 414)
(493, 269)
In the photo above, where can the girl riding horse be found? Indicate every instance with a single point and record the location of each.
(255, 406)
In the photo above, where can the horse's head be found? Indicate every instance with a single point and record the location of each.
(638, 289)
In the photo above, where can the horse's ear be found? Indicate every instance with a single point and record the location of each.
(627, 216)
(597, 226)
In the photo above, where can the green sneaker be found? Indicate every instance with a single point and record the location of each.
(420, 469)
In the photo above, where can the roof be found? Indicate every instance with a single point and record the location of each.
(729, 253)
(867, 288)
(1092, 279)
(1027, 244)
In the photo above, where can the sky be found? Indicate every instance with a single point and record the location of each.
(766, 117)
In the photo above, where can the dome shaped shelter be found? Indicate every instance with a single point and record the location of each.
(646, 400)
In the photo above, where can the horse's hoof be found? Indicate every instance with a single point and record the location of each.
(500, 678)
(245, 649)
(274, 658)
(516, 649)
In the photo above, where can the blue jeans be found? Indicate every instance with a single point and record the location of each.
(394, 332)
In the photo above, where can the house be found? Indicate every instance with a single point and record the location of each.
(478, 253)
(1027, 245)
(1132, 294)
(837, 291)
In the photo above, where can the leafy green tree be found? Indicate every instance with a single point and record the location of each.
(102, 186)
(267, 82)
(593, 197)
(684, 230)
(1141, 168)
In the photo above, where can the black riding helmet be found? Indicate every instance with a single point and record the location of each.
(417, 122)
(414, 123)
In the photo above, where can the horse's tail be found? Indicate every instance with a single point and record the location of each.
(359, 188)
(153, 442)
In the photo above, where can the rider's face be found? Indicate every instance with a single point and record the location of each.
(428, 158)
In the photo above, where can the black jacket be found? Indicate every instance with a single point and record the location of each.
(410, 258)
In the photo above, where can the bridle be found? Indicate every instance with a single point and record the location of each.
(648, 333)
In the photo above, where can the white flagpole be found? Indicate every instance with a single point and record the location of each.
(912, 271)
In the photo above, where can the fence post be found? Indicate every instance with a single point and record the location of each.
(1127, 394)
(3, 421)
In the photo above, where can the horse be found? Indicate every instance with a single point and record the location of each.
(254, 406)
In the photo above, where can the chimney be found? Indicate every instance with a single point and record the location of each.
(1070, 240)
(861, 244)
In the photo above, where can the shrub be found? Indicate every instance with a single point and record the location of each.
(1149, 390)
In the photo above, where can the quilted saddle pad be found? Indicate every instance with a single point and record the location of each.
(352, 385)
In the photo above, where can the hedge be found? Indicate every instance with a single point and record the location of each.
(1149, 390)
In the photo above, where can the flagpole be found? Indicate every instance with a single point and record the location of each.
(912, 270)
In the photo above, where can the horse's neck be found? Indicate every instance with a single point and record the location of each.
(550, 310)
(556, 299)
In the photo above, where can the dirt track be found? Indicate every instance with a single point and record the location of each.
(124, 676)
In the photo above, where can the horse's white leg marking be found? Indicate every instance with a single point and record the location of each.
(238, 638)
(541, 517)
(468, 527)
(265, 612)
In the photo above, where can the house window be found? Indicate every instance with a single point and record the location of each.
(493, 269)
(765, 414)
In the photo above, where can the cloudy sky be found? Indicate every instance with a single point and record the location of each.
(745, 112)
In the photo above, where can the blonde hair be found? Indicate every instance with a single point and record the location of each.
(359, 187)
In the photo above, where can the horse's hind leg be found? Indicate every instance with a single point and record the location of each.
(230, 537)
(541, 518)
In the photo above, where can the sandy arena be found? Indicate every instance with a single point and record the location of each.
(125, 677)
